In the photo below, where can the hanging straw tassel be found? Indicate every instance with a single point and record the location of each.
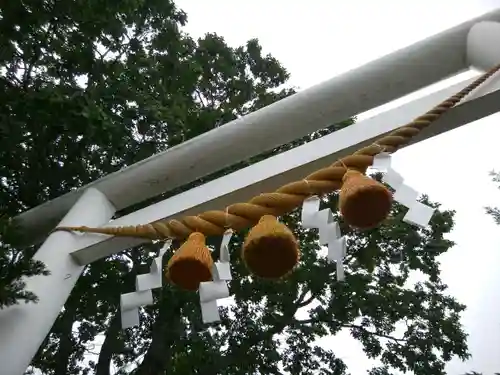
(363, 201)
(191, 264)
(270, 250)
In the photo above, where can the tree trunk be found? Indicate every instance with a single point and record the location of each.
(167, 330)
(109, 346)
(66, 344)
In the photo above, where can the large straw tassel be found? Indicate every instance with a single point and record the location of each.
(270, 250)
(363, 201)
(191, 264)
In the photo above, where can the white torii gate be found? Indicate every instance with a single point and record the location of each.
(475, 43)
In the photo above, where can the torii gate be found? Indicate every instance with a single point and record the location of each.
(475, 43)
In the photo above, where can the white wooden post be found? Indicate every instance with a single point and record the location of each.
(23, 327)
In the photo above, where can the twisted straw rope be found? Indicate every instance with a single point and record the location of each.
(239, 216)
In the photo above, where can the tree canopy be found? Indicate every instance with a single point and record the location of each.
(89, 87)
(494, 212)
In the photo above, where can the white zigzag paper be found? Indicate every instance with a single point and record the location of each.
(329, 231)
(418, 214)
(211, 291)
(382, 161)
(130, 302)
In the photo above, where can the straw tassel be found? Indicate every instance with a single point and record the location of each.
(363, 202)
(270, 250)
(191, 264)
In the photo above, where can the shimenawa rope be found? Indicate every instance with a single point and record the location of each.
(239, 216)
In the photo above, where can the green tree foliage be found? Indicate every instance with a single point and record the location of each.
(14, 265)
(494, 212)
(90, 87)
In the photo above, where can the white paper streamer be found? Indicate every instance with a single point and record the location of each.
(336, 253)
(129, 301)
(222, 268)
(340, 271)
(329, 231)
(382, 162)
(405, 195)
(210, 311)
(310, 209)
(130, 318)
(393, 178)
(211, 291)
(222, 271)
(418, 213)
(143, 296)
(337, 249)
(224, 246)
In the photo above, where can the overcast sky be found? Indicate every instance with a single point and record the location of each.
(318, 39)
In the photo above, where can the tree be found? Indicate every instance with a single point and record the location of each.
(89, 88)
(494, 212)
(14, 265)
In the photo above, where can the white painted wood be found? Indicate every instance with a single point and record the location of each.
(23, 327)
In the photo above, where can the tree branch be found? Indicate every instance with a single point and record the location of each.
(305, 302)
(283, 321)
(355, 326)
(160, 352)
(63, 354)
(112, 344)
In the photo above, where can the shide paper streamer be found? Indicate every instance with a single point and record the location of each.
(329, 231)
(330, 235)
(211, 291)
(143, 296)
(418, 214)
